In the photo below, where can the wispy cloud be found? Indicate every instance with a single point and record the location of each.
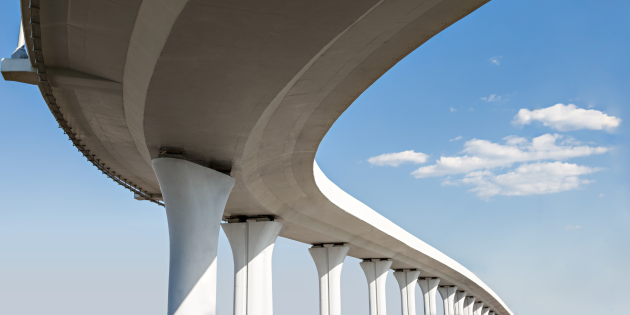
(542, 169)
(567, 118)
(529, 179)
(395, 159)
(541, 161)
(572, 227)
(453, 109)
(496, 60)
(492, 98)
(483, 154)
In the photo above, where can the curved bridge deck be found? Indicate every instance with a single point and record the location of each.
(248, 88)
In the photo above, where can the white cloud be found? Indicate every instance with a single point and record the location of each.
(529, 179)
(572, 227)
(495, 60)
(492, 98)
(483, 154)
(453, 109)
(456, 138)
(570, 141)
(601, 195)
(395, 159)
(567, 118)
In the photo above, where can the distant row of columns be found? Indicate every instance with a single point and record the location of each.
(195, 199)
(455, 302)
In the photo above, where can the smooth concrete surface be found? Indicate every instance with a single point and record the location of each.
(460, 297)
(19, 70)
(485, 311)
(376, 271)
(328, 260)
(407, 280)
(448, 294)
(429, 287)
(491, 313)
(248, 87)
(195, 199)
(469, 304)
(478, 308)
(252, 246)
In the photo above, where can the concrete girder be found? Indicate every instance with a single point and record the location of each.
(260, 108)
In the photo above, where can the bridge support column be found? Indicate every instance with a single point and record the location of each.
(328, 260)
(491, 313)
(407, 280)
(252, 245)
(460, 297)
(469, 304)
(195, 198)
(376, 273)
(429, 289)
(485, 311)
(448, 296)
(477, 309)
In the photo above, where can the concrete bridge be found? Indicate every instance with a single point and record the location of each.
(215, 110)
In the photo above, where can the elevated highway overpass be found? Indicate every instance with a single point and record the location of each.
(216, 109)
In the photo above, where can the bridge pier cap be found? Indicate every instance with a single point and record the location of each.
(376, 274)
(195, 198)
(328, 260)
(407, 279)
(252, 244)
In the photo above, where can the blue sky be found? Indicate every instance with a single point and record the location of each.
(73, 242)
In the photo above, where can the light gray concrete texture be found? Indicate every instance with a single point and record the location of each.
(429, 288)
(469, 304)
(460, 296)
(478, 308)
(447, 293)
(407, 280)
(196, 197)
(328, 260)
(376, 271)
(246, 86)
(252, 245)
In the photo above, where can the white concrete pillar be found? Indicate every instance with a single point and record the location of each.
(485, 310)
(407, 279)
(429, 289)
(460, 296)
(491, 313)
(252, 245)
(195, 198)
(328, 260)
(469, 304)
(376, 273)
(477, 309)
(448, 297)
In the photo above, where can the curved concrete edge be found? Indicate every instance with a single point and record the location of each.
(72, 90)
(151, 30)
(362, 212)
